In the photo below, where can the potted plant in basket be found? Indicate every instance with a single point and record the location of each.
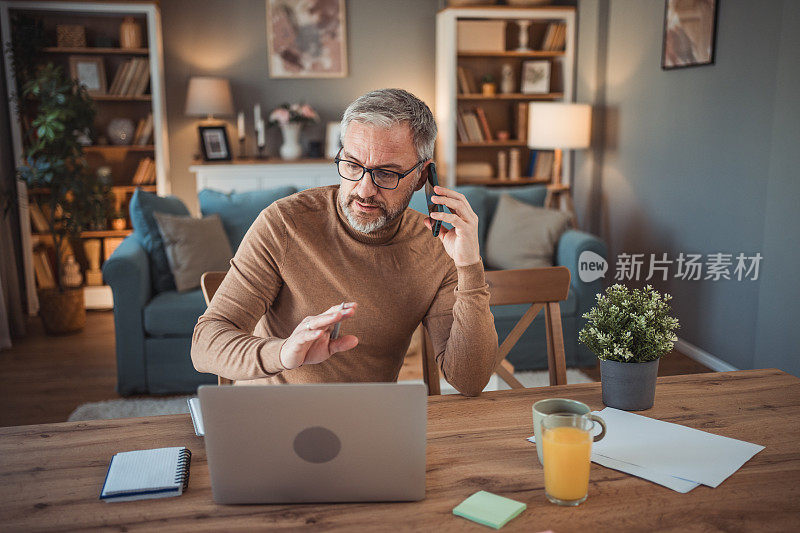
(62, 186)
(291, 118)
(629, 330)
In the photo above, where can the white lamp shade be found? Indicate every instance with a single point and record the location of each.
(554, 125)
(209, 96)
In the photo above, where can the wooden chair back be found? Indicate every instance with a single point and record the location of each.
(210, 282)
(542, 288)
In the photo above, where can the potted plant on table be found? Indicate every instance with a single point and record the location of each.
(629, 330)
(291, 118)
(62, 186)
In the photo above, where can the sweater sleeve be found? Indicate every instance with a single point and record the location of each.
(462, 329)
(223, 342)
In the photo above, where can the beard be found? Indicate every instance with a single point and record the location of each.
(366, 224)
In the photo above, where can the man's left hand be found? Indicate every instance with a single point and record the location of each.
(461, 242)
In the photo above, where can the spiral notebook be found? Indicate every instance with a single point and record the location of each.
(145, 474)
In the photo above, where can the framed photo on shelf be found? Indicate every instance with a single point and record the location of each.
(535, 77)
(690, 28)
(306, 39)
(214, 143)
(90, 72)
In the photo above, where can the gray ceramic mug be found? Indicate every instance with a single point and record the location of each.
(551, 406)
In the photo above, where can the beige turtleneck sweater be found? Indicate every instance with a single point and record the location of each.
(301, 257)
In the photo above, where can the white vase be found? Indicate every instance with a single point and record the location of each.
(291, 149)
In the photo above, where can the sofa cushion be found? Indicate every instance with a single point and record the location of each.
(173, 313)
(193, 246)
(238, 211)
(524, 236)
(530, 194)
(142, 206)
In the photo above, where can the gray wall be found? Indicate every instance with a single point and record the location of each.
(390, 44)
(700, 160)
(778, 334)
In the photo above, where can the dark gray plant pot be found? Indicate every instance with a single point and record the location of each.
(629, 386)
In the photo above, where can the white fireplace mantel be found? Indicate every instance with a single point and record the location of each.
(254, 174)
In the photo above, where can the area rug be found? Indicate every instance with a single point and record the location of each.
(136, 407)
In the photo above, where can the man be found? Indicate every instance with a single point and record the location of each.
(356, 243)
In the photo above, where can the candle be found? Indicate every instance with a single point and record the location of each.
(261, 141)
(240, 125)
(256, 114)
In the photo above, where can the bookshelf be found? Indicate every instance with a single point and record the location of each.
(465, 53)
(134, 91)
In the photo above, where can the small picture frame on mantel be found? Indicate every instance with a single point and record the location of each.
(214, 143)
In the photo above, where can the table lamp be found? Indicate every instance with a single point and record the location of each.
(208, 96)
(558, 126)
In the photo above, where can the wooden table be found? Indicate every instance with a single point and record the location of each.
(50, 475)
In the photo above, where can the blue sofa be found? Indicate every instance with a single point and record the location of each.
(154, 328)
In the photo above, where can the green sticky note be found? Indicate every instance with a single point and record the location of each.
(489, 509)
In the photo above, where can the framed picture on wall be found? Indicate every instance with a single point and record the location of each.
(214, 143)
(535, 77)
(90, 72)
(690, 28)
(306, 39)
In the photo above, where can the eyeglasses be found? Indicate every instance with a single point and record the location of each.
(381, 177)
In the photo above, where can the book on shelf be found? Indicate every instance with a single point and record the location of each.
(144, 131)
(522, 121)
(548, 37)
(562, 38)
(544, 164)
(531, 172)
(137, 176)
(118, 76)
(141, 79)
(514, 164)
(554, 37)
(150, 172)
(145, 172)
(487, 132)
(462, 129)
(466, 81)
(473, 127)
(38, 219)
(43, 269)
(127, 79)
(138, 134)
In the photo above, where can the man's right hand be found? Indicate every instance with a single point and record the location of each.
(310, 343)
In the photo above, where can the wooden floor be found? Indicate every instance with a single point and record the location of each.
(45, 378)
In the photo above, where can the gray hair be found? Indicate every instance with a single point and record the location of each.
(388, 107)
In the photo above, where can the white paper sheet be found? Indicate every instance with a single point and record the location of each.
(671, 482)
(672, 449)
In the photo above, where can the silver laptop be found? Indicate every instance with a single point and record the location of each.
(315, 443)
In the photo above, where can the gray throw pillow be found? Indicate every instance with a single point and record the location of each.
(193, 246)
(523, 235)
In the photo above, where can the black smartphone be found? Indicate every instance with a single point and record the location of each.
(432, 182)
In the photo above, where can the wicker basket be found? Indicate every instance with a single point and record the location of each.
(70, 36)
(62, 312)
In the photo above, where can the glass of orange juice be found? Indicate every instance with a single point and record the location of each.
(567, 450)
